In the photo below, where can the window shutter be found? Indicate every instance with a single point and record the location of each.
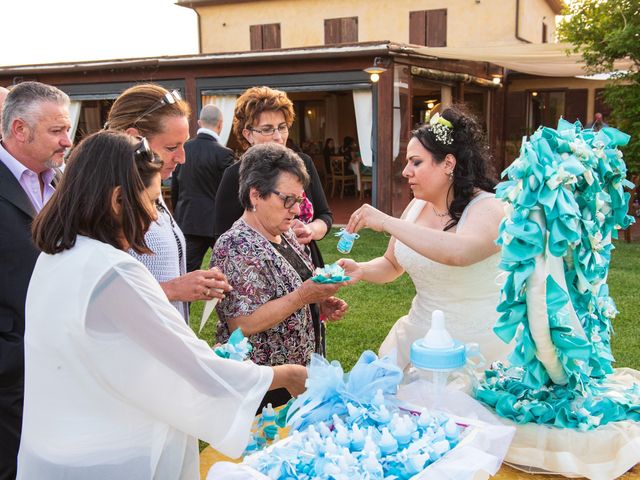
(255, 32)
(331, 31)
(436, 25)
(349, 30)
(271, 36)
(340, 30)
(516, 111)
(417, 28)
(575, 105)
(601, 106)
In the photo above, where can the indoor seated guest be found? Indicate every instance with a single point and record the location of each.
(268, 268)
(445, 239)
(117, 386)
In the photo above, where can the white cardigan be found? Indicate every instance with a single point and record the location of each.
(116, 385)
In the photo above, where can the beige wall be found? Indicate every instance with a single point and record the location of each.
(225, 28)
(532, 14)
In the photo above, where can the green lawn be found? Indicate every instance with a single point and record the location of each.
(374, 308)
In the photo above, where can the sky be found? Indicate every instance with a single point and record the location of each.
(47, 31)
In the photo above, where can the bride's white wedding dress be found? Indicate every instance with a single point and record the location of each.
(468, 296)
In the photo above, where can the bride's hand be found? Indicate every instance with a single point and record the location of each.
(352, 269)
(367, 217)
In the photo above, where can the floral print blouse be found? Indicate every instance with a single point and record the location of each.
(258, 274)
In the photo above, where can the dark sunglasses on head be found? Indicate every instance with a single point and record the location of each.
(168, 98)
(289, 200)
(144, 153)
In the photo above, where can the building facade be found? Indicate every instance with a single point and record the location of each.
(317, 52)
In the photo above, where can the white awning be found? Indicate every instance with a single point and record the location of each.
(546, 59)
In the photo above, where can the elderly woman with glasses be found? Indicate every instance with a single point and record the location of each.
(116, 385)
(264, 115)
(267, 266)
(162, 117)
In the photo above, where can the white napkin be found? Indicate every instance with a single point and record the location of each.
(207, 310)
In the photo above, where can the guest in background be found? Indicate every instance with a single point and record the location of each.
(263, 115)
(196, 185)
(598, 123)
(35, 137)
(268, 268)
(162, 117)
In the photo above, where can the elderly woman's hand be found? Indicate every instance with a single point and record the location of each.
(197, 285)
(333, 308)
(312, 292)
(367, 217)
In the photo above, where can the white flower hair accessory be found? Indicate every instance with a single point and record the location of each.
(442, 129)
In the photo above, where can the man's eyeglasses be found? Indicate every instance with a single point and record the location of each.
(168, 98)
(144, 153)
(289, 200)
(270, 131)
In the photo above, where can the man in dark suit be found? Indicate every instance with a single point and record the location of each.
(196, 183)
(35, 136)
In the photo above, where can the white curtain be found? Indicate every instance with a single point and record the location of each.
(74, 115)
(363, 103)
(227, 104)
(331, 112)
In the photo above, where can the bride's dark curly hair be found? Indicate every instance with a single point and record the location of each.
(474, 162)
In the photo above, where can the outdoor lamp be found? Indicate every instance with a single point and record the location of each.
(377, 68)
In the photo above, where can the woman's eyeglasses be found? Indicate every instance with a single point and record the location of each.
(144, 153)
(270, 131)
(289, 200)
(168, 98)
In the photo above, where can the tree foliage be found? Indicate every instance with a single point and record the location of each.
(605, 31)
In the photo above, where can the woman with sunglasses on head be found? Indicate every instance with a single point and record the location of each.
(264, 115)
(267, 266)
(445, 239)
(162, 117)
(116, 384)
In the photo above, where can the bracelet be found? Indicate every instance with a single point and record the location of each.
(382, 225)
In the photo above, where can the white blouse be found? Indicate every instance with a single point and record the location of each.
(116, 384)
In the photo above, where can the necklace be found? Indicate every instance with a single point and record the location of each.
(438, 214)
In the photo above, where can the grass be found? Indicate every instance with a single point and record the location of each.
(373, 309)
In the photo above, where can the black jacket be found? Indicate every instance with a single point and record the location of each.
(196, 182)
(228, 208)
(18, 257)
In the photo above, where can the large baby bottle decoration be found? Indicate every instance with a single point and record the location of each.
(437, 354)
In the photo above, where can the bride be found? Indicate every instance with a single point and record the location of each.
(445, 239)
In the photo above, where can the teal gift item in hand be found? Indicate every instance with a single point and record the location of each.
(345, 244)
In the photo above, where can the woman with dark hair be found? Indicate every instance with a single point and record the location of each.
(445, 239)
(116, 385)
(162, 117)
(264, 115)
(268, 268)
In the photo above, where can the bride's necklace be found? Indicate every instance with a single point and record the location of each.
(438, 214)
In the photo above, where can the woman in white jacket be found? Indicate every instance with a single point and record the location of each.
(116, 384)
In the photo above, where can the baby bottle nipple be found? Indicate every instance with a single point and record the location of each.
(437, 353)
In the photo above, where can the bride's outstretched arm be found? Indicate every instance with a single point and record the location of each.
(383, 269)
(471, 245)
